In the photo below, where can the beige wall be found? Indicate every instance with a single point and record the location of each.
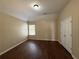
(12, 31)
(45, 28)
(72, 9)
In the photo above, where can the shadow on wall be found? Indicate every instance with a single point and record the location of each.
(12, 31)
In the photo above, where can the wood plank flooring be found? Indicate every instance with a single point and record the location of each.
(38, 49)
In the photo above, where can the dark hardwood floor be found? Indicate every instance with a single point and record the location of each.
(37, 49)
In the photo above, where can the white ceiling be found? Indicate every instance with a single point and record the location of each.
(23, 10)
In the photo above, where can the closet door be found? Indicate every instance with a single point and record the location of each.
(69, 34)
(63, 35)
(66, 33)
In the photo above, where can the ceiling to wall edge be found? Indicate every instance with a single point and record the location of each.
(12, 16)
(53, 14)
(45, 13)
(63, 7)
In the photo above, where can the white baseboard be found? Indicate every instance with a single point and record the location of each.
(12, 47)
(71, 53)
(54, 40)
(44, 39)
(73, 56)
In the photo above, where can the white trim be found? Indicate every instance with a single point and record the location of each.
(71, 53)
(12, 47)
(44, 39)
(73, 56)
(54, 40)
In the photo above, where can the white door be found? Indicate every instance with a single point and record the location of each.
(63, 32)
(66, 33)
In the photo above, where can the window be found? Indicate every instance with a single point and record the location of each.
(32, 30)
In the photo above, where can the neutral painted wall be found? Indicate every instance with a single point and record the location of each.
(12, 31)
(45, 27)
(72, 9)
